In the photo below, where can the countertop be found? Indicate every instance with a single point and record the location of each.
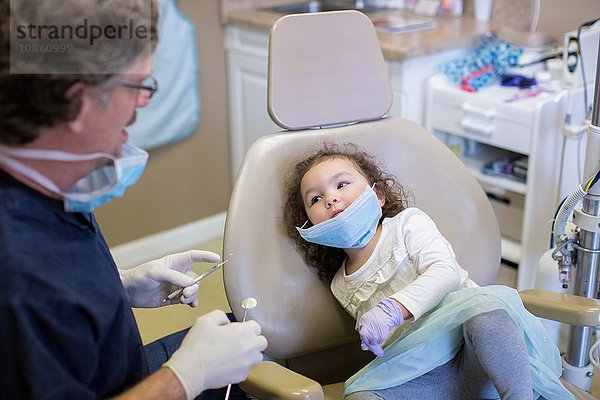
(452, 32)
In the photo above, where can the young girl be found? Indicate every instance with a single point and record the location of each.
(392, 270)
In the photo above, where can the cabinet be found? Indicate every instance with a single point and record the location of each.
(489, 125)
(247, 68)
(247, 65)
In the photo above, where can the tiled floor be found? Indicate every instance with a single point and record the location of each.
(155, 323)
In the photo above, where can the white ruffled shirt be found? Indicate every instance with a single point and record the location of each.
(412, 263)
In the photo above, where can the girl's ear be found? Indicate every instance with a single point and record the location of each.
(77, 124)
(380, 196)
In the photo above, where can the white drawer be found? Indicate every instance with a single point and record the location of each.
(483, 124)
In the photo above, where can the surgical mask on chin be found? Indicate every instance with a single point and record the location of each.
(98, 187)
(353, 228)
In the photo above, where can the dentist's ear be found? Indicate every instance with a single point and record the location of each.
(77, 124)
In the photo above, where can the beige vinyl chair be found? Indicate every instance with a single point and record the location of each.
(326, 71)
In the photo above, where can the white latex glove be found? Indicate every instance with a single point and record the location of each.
(148, 284)
(216, 352)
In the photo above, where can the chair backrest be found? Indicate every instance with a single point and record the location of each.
(296, 310)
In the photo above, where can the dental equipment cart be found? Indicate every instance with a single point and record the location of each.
(502, 124)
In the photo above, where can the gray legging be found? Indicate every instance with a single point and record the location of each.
(492, 364)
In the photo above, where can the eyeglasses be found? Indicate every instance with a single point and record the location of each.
(149, 86)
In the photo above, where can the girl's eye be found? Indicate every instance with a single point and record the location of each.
(342, 184)
(314, 200)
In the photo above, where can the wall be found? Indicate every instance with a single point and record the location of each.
(556, 16)
(188, 180)
(560, 16)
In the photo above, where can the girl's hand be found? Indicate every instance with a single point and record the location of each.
(375, 325)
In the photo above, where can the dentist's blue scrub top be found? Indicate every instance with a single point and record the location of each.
(66, 328)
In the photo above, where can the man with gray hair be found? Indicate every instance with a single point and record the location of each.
(72, 74)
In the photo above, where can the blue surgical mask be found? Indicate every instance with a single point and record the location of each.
(353, 228)
(98, 187)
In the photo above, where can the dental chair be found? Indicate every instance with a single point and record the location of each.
(328, 83)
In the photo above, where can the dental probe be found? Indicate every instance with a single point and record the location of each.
(198, 279)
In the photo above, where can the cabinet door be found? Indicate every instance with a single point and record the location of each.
(248, 115)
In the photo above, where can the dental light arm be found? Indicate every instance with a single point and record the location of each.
(581, 247)
(586, 218)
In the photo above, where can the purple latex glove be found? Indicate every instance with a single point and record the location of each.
(375, 325)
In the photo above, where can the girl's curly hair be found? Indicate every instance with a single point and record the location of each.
(327, 260)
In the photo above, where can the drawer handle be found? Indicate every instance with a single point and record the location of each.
(476, 127)
(498, 198)
(488, 113)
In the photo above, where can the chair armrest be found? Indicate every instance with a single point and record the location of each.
(576, 391)
(269, 380)
(567, 308)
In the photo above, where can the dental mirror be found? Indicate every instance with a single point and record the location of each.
(247, 304)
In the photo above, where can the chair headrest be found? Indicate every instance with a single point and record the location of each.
(308, 88)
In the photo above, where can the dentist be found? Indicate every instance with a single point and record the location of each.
(67, 328)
